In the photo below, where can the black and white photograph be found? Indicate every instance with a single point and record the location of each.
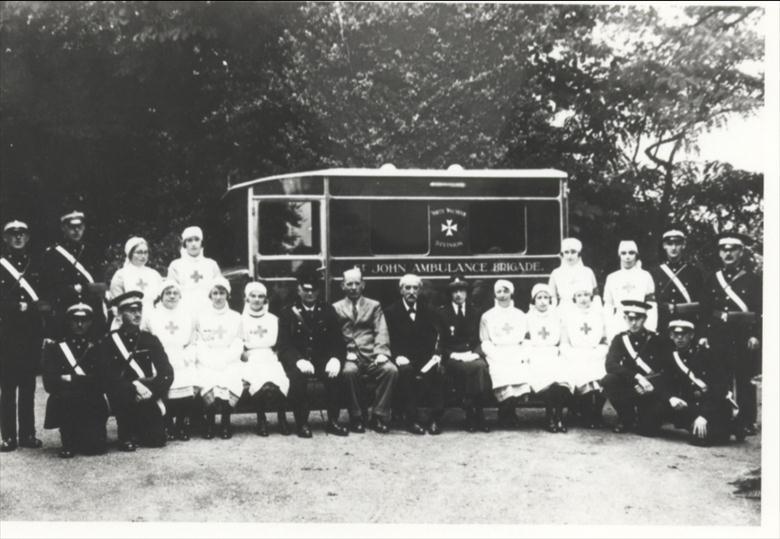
(361, 269)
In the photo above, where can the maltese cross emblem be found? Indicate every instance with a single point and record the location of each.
(449, 228)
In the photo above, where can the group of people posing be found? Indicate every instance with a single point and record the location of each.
(667, 345)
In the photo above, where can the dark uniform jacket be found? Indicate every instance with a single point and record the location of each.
(458, 334)
(21, 332)
(60, 276)
(115, 373)
(653, 350)
(699, 380)
(671, 301)
(414, 339)
(720, 313)
(313, 335)
(81, 392)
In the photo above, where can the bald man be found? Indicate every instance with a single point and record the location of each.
(367, 342)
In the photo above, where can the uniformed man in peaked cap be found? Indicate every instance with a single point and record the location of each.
(731, 317)
(635, 383)
(458, 323)
(311, 347)
(135, 373)
(21, 332)
(707, 405)
(678, 281)
(72, 272)
(76, 404)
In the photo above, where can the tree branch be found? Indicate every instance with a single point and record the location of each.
(652, 151)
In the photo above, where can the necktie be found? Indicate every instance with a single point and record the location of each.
(354, 310)
(412, 313)
(460, 311)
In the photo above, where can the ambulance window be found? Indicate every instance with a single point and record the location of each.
(288, 227)
(497, 227)
(399, 227)
(378, 227)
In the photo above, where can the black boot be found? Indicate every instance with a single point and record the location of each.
(284, 427)
(595, 410)
(170, 430)
(209, 426)
(552, 425)
(559, 420)
(262, 425)
(183, 428)
(479, 419)
(226, 429)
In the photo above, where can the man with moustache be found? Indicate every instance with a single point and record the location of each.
(76, 405)
(21, 332)
(636, 380)
(311, 347)
(71, 272)
(413, 336)
(134, 371)
(678, 282)
(731, 315)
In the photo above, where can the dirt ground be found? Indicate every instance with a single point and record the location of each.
(524, 476)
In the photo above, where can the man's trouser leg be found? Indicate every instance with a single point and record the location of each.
(8, 387)
(386, 375)
(351, 373)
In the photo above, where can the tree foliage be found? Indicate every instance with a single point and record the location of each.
(147, 110)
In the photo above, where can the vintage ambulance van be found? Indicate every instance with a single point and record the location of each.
(487, 224)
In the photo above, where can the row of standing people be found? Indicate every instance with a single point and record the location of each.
(195, 272)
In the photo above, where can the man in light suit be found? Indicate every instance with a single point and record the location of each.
(367, 341)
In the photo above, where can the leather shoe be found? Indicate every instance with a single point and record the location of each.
(262, 429)
(226, 432)
(170, 435)
(750, 430)
(127, 446)
(284, 426)
(415, 428)
(65, 453)
(378, 425)
(9, 444)
(470, 426)
(304, 431)
(434, 428)
(356, 425)
(30, 442)
(620, 428)
(334, 428)
(562, 428)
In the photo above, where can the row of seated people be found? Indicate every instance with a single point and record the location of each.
(167, 364)
(468, 348)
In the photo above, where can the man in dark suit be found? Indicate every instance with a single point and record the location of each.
(731, 313)
(310, 347)
(134, 371)
(413, 336)
(459, 348)
(76, 405)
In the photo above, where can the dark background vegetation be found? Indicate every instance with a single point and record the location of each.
(144, 112)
